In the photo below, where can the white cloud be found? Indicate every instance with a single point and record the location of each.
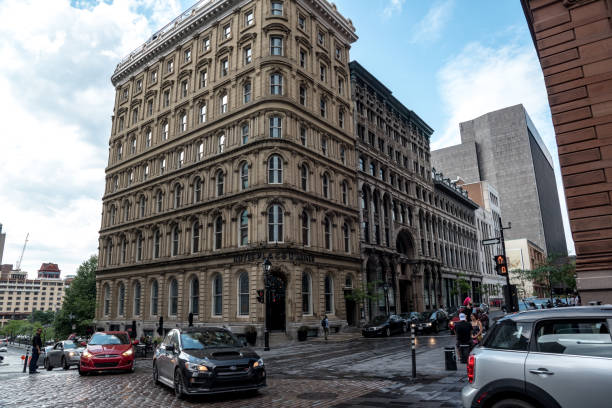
(482, 79)
(394, 7)
(56, 105)
(429, 29)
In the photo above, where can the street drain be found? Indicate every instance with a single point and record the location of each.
(313, 396)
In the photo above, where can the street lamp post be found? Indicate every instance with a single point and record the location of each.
(386, 289)
(267, 265)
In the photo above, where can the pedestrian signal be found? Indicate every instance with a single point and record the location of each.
(500, 265)
(260, 295)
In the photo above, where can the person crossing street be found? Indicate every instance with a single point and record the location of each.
(36, 347)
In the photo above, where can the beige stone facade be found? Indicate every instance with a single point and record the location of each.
(232, 141)
(526, 255)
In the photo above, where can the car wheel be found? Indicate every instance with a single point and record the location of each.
(47, 365)
(387, 332)
(65, 366)
(155, 375)
(512, 403)
(81, 372)
(179, 385)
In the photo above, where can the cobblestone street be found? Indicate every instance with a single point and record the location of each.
(344, 372)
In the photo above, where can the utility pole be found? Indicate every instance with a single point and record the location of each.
(508, 294)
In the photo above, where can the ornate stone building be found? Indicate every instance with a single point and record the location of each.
(417, 233)
(232, 141)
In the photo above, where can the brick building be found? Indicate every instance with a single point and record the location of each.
(573, 39)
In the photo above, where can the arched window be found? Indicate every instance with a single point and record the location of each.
(364, 200)
(183, 124)
(275, 170)
(329, 295)
(244, 176)
(276, 84)
(175, 241)
(305, 228)
(194, 296)
(246, 92)
(165, 131)
(306, 294)
(195, 237)
(142, 205)
(113, 215)
(217, 295)
(159, 202)
(221, 143)
(107, 300)
(180, 159)
(109, 251)
(361, 163)
(243, 294)
(344, 193)
(223, 103)
(154, 297)
(197, 190)
(275, 223)
(220, 183)
(203, 113)
(276, 127)
(177, 195)
(346, 234)
(304, 176)
(342, 155)
(325, 185)
(148, 138)
(139, 245)
(328, 234)
(244, 228)
(145, 172)
(218, 232)
(244, 133)
(173, 298)
(156, 243)
(121, 299)
(372, 169)
(136, 307)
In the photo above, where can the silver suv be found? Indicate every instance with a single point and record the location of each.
(544, 358)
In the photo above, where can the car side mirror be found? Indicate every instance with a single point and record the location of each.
(170, 348)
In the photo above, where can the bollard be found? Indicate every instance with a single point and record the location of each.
(413, 347)
(25, 360)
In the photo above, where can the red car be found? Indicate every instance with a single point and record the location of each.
(108, 351)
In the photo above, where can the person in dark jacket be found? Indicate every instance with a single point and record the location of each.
(463, 331)
(36, 348)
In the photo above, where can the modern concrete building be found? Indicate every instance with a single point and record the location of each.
(232, 141)
(20, 296)
(504, 148)
(572, 39)
(407, 226)
(2, 241)
(526, 255)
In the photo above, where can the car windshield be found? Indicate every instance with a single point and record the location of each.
(100, 339)
(379, 320)
(424, 315)
(69, 345)
(208, 339)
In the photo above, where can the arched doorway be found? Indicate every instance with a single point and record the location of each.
(404, 245)
(278, 285)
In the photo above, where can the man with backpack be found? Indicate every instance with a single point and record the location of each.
(325, 325)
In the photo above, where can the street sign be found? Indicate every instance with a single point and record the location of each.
(490, 241)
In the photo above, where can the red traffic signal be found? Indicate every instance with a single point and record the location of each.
(500, 265)
(260, 295)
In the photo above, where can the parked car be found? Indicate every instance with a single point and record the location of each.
(107, 351)
(4, 342)
(551, 358)
(3, 349)
(207, 361)
(484, 308)
(63, 354)
(430, 321)
(384, 325)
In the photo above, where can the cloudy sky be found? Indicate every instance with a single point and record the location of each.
(448, 60)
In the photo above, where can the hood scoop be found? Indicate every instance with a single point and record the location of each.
(226, 355)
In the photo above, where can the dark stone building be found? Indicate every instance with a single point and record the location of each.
(573, 39)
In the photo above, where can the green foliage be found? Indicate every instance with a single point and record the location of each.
(362, 295)
(79, 301)
(45, 318)
(556, 271)
(461, 285)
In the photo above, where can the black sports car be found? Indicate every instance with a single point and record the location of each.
(207, 361)
(384, 325)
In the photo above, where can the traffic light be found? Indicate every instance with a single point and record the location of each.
(500, 265)
(260, 295)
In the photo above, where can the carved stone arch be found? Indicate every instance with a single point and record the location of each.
(122, 110)
(216, 169)
(276, 152)
(246, 38)
(185, 73)
(135, 102)
(305, 41)
(203, 61)
(323, 56)
(167, 83)
(276, 27)
(227, 49)
(240, 160)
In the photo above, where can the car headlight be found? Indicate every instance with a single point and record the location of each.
(127, 353)
(195, 367)
(86, 354)
(258, 363)
(428, 325)
(71, 354)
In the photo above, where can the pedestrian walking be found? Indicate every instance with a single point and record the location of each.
(463, 331)
(325, 325)
(36, 347)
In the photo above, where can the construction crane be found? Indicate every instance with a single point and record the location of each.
(18, 268)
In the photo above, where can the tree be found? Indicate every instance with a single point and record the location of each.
(44, 318)
(364, 295)
(557, 271)
(79, 301)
